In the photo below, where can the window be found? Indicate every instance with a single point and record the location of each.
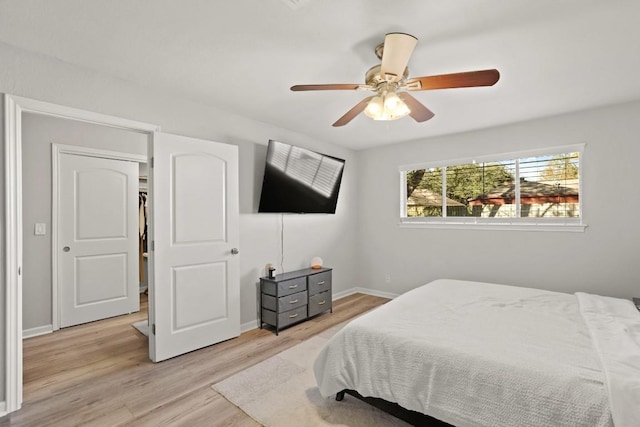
(529, 189)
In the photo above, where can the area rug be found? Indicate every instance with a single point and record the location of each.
(142, 326)
(281, 391)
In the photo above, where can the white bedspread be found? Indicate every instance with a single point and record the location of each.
(614, 325)
(473, 354)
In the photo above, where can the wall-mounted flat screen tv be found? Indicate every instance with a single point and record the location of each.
(297, 180)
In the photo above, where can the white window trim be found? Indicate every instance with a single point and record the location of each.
(475, 223)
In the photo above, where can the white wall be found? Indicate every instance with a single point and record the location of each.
(330, 236)
(604, 259)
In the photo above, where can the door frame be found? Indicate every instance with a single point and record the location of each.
(56, 151)
(14, 106)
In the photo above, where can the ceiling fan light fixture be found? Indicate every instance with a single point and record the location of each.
(375, 108)
(401, 110)
(386, 107)
(391, 102)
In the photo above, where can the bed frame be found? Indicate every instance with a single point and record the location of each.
(412, 417)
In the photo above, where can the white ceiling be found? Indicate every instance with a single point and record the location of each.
(243, 55)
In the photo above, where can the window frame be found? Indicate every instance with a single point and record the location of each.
(482, 223)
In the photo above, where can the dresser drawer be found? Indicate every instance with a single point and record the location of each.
(293, 316)
(285, 303)
(292, 286)
(320, 282)
(319, 303)
(286, 287)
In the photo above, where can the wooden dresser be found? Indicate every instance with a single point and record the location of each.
(294, 296)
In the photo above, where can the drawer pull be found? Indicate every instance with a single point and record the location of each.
(293, 301)
(321, 283)
(291, 316)
(293, 286)
(322, 302)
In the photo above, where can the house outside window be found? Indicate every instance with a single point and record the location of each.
(531, 190)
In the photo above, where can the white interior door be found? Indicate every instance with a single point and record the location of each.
(194, 267)
(98, 238)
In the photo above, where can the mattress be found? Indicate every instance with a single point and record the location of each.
(479, 354)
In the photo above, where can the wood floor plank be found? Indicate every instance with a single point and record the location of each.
(100, 374)
(203, 406)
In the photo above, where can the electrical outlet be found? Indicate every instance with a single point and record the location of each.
(387, 278)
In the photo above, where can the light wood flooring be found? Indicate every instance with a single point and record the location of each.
(99, 374)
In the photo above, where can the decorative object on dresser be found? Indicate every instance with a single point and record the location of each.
(316, 262)
(295, 296)
(271, 271)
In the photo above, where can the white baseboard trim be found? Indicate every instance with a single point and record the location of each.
(34, 332)
(366, 291)
(246, 327)
(249, 326)
(3, 408)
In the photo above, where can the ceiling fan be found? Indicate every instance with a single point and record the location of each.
(390, 81)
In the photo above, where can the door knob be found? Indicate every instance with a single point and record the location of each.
(66, 249)
(235, 251)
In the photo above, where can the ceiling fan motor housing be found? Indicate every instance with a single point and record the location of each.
(373, 76)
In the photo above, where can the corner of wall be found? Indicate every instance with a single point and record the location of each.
(3, 320)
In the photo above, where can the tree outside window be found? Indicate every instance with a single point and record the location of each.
(541, 187)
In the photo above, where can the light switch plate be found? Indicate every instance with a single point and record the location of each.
(40, 229)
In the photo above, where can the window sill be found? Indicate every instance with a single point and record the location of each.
(513, 224)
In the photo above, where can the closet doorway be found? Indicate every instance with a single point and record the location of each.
(187, 167)
(28, 219)
(96, 245)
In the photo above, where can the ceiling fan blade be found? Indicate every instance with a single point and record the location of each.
(455, 80)
(351, 114)
(419, 112)
(298, 88)
(397, 50)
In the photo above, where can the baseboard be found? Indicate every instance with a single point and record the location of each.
(3, 408)
(366, 291)
(34, 332)
(246, 327)
(249, 326)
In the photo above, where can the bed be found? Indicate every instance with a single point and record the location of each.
(482, 354)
